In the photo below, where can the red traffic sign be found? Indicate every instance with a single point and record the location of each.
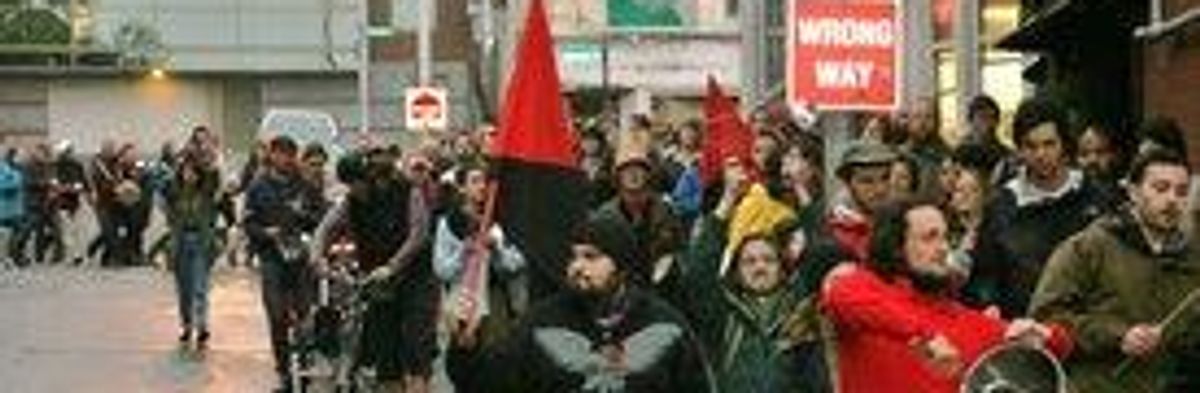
(426, 108)
(842, 56)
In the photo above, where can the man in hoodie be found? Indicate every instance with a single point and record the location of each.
(1115, 282)
(601, 335)
(865, 170)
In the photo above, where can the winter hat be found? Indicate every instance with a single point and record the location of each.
(865, 154)
(613, 236)
(757, 213)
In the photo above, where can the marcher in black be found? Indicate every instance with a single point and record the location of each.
(387, 218)
(601, 334)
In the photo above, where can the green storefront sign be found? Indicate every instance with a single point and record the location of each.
(634, 13)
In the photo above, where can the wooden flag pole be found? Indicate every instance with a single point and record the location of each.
(476, 262)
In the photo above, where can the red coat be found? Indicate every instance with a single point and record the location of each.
(878, 323)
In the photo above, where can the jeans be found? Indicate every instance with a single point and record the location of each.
(283, 293)
(192, 253)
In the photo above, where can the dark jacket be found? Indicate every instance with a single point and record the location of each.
(73, 178)
(381, 217)
(769, 346)
(1107, 279)
(193, 207)
(659, 232)
(275, 202)
(1016, 238)
(563, 347)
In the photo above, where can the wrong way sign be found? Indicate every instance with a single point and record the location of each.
(842, 56)
(426, 108)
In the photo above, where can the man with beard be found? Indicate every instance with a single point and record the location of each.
(387, 218)
(601, 335)
(898, 327)
(1114, 284)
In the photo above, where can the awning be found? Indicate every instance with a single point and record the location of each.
(1045, 29)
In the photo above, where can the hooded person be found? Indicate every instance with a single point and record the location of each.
(600, 334)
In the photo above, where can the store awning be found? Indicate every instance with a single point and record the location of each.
(1045, 29)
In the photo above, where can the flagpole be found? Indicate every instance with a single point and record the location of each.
(364, 64)
(477, 257)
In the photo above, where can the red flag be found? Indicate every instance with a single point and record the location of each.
(533, 124)
(727, 135)
(540, 192)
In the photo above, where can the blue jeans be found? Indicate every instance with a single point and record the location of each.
(193, 263)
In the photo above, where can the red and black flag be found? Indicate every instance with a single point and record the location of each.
(541, 192)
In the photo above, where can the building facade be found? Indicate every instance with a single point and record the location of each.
(150, 70)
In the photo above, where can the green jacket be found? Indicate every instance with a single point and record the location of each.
(771, 344)
(1106, 279)
(194, 207)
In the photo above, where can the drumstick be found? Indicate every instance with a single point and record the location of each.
(1174, 316)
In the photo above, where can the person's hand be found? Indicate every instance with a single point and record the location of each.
(993, 312)
(942, 355)
(380, 274)
(320, 267)
(730, 196)
(1027, 330)
(464, 329)
(1141, 340)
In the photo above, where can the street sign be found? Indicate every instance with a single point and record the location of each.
(842, 56)
(426, 108)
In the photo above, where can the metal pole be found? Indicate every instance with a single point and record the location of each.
(515, 22)
(919, 76)
(754, 34)
(966, 42)
(425, 42)
(364, 68)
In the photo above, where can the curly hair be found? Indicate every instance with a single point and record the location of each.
(888, 233)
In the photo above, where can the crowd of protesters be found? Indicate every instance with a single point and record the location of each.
(755, 278)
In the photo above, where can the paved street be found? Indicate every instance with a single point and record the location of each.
(91, 330)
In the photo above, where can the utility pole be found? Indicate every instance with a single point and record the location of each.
(753, 20)
(364, 67)
(428, 13)
(918, 68)
(966, 48)
(515, 21)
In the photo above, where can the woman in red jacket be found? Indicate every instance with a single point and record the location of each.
(898, 327)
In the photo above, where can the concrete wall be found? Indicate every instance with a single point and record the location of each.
(240, 35)
(145, 111)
